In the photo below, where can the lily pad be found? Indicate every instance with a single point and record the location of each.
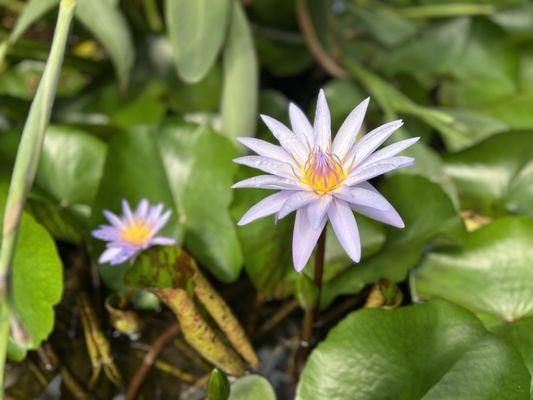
(428, 351)
(252, 387)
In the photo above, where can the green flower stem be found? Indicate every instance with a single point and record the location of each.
(309, 316)
(26, 164)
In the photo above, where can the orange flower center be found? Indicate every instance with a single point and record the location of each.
(322, 171)
(137, 233)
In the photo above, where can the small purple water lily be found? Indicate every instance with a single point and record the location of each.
(321, 179)
(133, 232)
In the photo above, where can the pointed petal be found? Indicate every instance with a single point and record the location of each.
(295, 201)
(123, 256)
(126, 210)
(269, 182)
(154, 213)
(371, 141)
(109, 254)
(363, 197)
(322, 125)
(345, 227)
(301, 126)
(113, 219)
(268, 206)
(142, 209)
(369, 171)
(390, 151)
(304, 239)
(389, 216)
(318, 209)
(106, 232)
(161, 221)
(288, 140)
(162, 241)
(265, 149)
(268, 165)
(347, 133)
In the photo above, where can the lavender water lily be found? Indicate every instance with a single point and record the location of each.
(323, 179)
(132, 232)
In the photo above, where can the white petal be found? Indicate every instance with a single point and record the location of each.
(263, 148)
(288, 140)
(270, 182)
(142, 209)
(304, 239)
(318, 209)
(361, 196)
(296, 201)
(126, 210)
(161, 221)
(162, 241)
(268, 165)
(389, 216)
(268, 206)
(154, 213)
(390, 151)
(371, 141)
(369, 171)
(349, 129)
(322, 125)
(301, 126)
(113, 219)
(109, 254)
(345, 227)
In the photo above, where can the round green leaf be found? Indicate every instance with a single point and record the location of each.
(496, 175)
(491, 273)
(252, 387)
(197, 30)
(428, 351)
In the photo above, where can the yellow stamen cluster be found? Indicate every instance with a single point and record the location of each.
(137, 233)
(322, 171)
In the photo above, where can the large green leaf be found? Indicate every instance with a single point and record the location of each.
(491, 273)
(37, 281)
(189, 169)
(427, 213)
(251, 387)
(240, 91)
(428, 351)
(495, 176)
(197, 30)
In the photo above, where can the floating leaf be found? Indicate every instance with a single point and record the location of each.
(427, 351)
(495, 176)
(488, 274)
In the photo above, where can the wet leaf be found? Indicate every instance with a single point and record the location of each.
(252, 387)
(430, 351)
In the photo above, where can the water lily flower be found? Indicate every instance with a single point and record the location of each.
(322, 179)
(132, 232)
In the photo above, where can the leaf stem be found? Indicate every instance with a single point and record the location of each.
(26, 165)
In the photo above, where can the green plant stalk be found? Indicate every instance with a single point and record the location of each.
(446, 10)
(26, 164)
